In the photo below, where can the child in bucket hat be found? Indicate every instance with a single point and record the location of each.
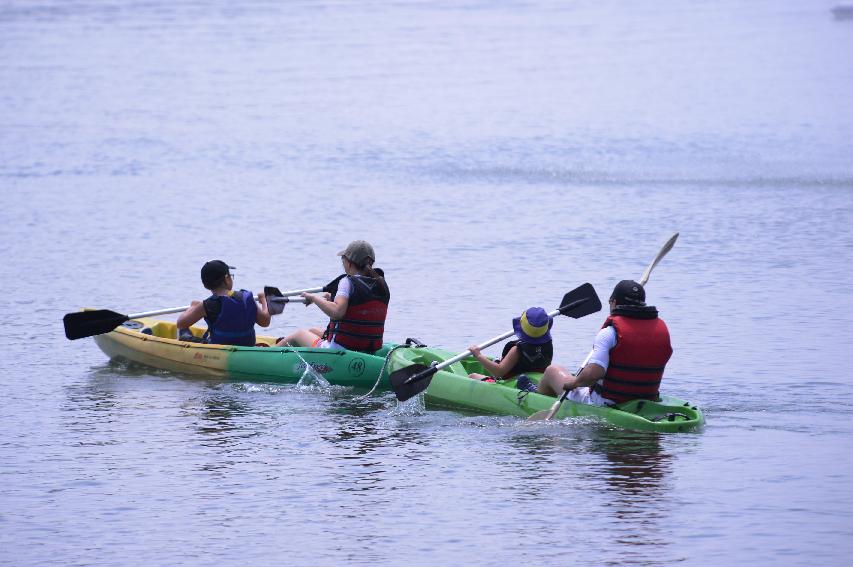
(533, 326)
(532, 350)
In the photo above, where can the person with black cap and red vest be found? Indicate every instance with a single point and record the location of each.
(230, 315)
(628, 357)
(358, 309)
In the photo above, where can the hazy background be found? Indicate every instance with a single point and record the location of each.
(497, 154)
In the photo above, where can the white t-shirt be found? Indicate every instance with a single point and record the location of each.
(604, 341)
(344, 288)
(600, 355)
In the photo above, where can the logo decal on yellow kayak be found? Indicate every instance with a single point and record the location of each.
(200, 356)
(356, 367)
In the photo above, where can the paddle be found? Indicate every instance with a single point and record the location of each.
(412, 380)
(275, 296)
(88, 323)
(663, 252)
(276, 299)
(331, 287)
(547, 414)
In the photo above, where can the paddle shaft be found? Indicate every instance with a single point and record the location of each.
(288, 300)
(298, 291)
(467, 353)
(88, 323)
(282, 299)
(556, 405)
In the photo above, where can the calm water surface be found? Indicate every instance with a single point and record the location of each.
(497, 154)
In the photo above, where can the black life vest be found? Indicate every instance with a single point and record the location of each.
(231, 318)
(638, 360)
(531, 358)
(363, 325)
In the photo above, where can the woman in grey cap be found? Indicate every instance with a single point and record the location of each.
(356, 312)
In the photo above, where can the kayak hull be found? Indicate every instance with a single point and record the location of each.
(451, 388)
(151, 342)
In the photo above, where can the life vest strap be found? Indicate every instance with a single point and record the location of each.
(650, 369)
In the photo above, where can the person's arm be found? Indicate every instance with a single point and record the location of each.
(498, 370)
(334, 309)
(599, 360)
(263, 317)
(589, 375)
(191, 316)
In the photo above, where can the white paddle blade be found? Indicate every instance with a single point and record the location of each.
(663, 252)
(545, 415)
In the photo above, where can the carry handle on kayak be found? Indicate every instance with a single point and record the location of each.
(412, 380)
(547, 414)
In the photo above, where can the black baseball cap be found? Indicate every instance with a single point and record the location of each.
(629, 292)
(213, 272)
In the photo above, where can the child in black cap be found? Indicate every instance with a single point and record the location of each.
(230, 315)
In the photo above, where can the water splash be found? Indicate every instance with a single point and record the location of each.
(412, 406)
(311, 380)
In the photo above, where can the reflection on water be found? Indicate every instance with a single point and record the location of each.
(89, 409)
(625, 464)
(365, 426)
(625, 476)
(635, 477)
(219, 416)
(635, 466)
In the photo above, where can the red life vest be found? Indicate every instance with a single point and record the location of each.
(362, 326)
(637, 361)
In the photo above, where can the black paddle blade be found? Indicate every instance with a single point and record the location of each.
(271, 291)
(274, 307)
(580, 302)
(332, 286)
(88, 323)
(410, 381)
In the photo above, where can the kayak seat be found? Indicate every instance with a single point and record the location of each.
(187, 336)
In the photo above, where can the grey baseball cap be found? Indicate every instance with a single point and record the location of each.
(358, 252)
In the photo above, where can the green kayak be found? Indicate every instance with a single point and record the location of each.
(451, 388)
(152, 342)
